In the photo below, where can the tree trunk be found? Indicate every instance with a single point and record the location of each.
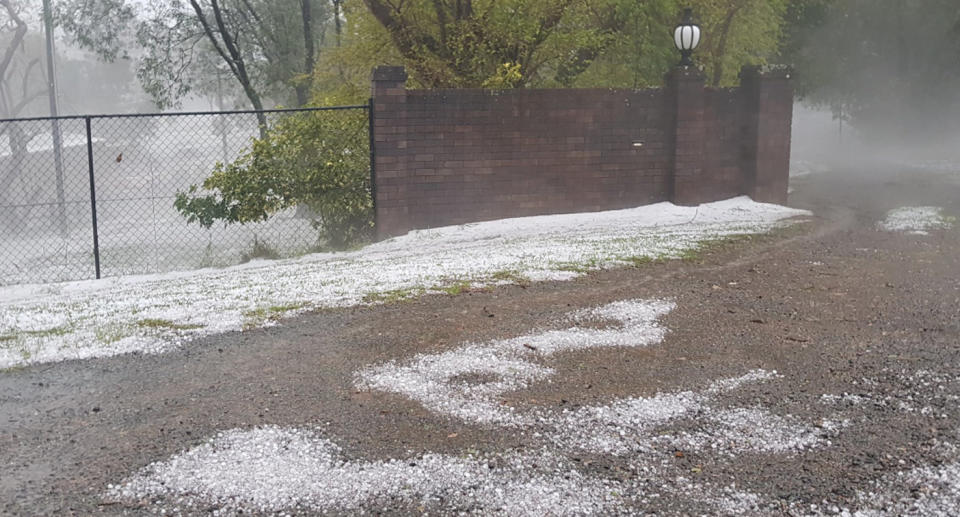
(721, 48)
(338, 25)
(309, 50)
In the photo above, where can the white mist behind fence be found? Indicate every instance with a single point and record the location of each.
(139, 164)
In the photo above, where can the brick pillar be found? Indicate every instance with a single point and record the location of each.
(686, 85)
(768, 112)
(389, 98)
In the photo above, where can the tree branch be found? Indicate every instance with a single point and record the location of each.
(19, 33)
(208, 31)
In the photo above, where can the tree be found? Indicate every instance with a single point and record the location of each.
(546, 43)
(461, 43)
(20, 73)
(740, 32)
(268, 47)
(318, 159)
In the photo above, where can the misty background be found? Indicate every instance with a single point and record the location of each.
(886, 71)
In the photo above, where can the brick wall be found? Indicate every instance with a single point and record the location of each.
(455, 156)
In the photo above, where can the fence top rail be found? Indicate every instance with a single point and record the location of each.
(186, 113)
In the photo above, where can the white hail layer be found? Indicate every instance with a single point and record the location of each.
(466, 382)
(96, 319)
(635, 425)
(915, 219)
(272, 469)
(929, 491)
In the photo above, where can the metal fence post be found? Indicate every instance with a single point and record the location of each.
(134, 191)
(373, 164)
(93, 198)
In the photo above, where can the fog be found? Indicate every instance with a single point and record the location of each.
(824, 143)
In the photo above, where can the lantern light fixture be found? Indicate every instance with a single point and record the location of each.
(687, 37)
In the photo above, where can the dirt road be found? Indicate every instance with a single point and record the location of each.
(861, 326)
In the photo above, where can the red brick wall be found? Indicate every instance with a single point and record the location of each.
(768, 114)
(455, 156)
(723, 138)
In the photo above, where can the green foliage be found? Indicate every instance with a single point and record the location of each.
(317, 159)
(508, 75)
(466, 44)
(99, 26)
(552, 43)
(641, 52)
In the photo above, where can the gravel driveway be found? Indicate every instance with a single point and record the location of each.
(847, 334)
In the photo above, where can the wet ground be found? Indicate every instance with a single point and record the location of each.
(862, 326)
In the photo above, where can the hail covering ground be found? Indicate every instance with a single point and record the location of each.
(918, 220)
(273, 469)
(152, 314)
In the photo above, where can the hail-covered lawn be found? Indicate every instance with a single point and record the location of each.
(151, 314)
(917, 220)
(276, 469)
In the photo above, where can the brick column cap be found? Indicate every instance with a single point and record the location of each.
(766, 72)
(685, 73)
(394, 74)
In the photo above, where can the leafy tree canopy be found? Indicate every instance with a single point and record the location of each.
(544, 43)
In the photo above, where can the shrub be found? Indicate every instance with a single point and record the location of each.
(318, 159)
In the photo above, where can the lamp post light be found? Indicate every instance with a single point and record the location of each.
(687, 37)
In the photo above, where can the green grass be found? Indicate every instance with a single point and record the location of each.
(456, 288)
(166, 325)
(288, 307)
(591, 265)
(111, 333)
(257, 317)
(727, 242)
(643, 260)
(713, 245)
(56, 331)
(396, 295)
(511, 276)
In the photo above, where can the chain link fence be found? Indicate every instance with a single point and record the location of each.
(91, 197)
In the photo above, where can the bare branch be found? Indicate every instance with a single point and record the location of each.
(19, 34)
(208, 30)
